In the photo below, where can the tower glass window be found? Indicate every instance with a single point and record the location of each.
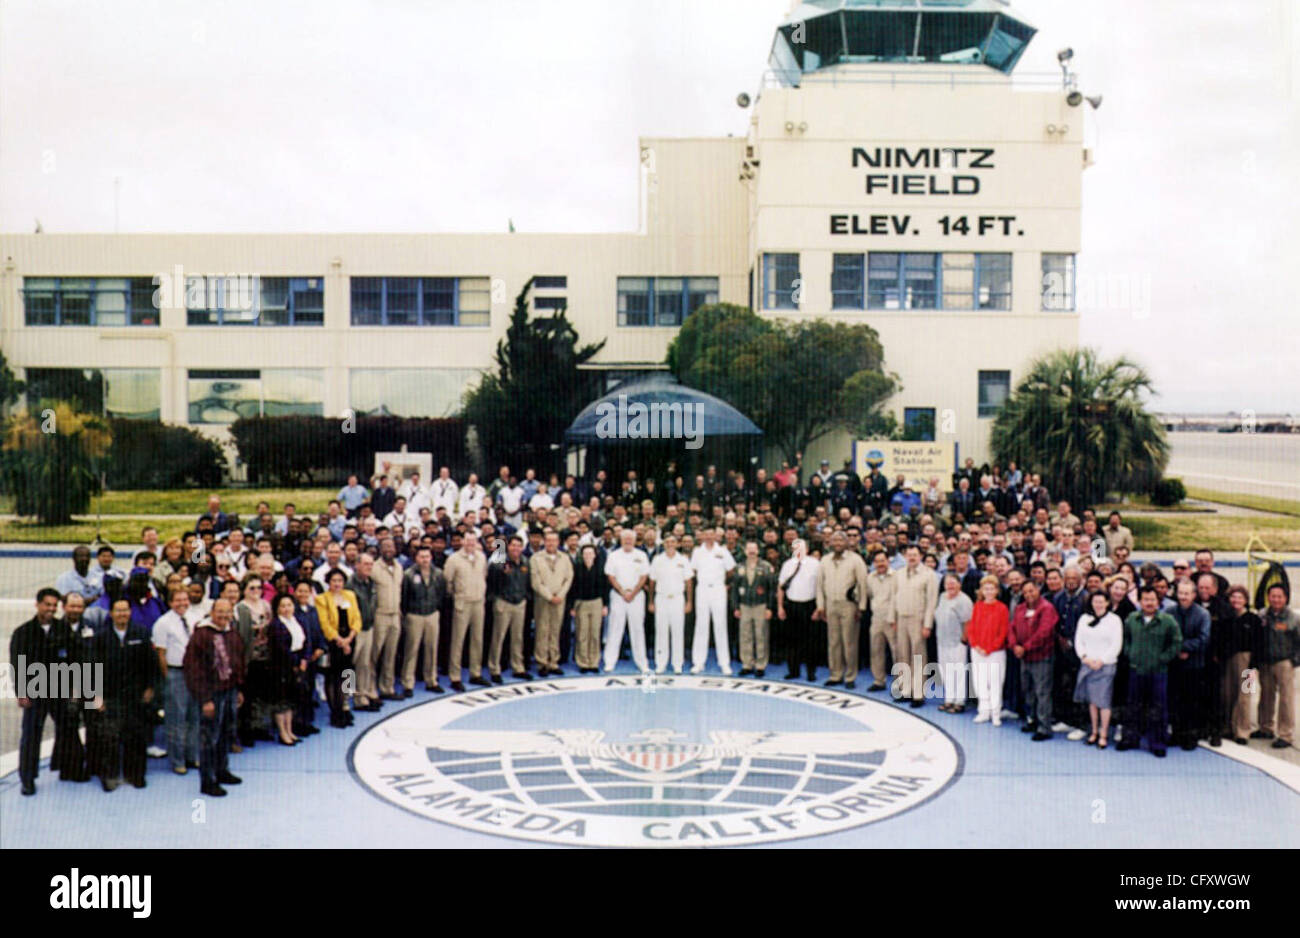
(994, 389)
(848, 281)
(1058, 283)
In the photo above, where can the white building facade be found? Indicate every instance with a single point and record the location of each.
(894, 173)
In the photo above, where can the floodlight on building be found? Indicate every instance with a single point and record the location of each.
(1074, 99)
(742, 100)
(1065, 55)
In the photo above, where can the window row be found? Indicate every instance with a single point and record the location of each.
(663, 301)
(903, 281)
(222, 396)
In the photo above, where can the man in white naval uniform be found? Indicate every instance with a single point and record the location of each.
(628, 570)
(443, 493)
(416, 495)
(712, 563)
(670, 600)
(473, 497)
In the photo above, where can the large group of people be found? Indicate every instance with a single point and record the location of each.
(989, 596)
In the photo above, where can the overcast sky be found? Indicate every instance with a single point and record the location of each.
(401, 115)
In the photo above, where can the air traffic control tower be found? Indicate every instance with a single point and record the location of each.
(901, 174)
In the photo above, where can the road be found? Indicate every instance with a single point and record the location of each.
(1265, 464)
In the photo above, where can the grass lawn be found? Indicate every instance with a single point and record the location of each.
(192, 502)
(1216, 533)
(1282, 506)
(117, 532)
(1143, 503)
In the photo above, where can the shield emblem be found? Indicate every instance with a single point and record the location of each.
(658, 757)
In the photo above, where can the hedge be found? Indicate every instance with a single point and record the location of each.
(150, 455)
(291, 450)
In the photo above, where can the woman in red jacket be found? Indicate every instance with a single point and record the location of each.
(987, 636)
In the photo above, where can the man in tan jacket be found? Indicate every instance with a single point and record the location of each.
(841, 598)
(466, 576)
(387, 575)
(551, 578)
(881, 587)
(915, 597)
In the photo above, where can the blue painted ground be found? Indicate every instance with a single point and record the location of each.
(1011, 792)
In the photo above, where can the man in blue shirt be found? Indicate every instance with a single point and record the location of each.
(352, 495)
(81, 579)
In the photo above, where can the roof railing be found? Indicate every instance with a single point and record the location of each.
(894, 74)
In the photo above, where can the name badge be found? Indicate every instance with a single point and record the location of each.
(134, 641)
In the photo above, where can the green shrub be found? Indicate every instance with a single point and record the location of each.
(1168, 492)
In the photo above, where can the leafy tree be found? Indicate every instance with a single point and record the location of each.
(50, 461)
(797, 380)
(1083, 424)
(523, 408)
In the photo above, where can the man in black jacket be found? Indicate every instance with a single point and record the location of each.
(45, 647)
(121, 721)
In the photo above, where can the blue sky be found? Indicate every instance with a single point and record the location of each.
(397, 115)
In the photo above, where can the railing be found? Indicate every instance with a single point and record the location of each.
(894, 74)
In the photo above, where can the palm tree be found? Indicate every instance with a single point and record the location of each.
(1082, 423)
(50, 462)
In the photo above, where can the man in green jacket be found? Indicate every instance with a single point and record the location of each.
(1152, 639)
(753, 591)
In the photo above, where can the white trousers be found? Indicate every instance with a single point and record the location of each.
(986, 673)
(670, 627)
(632, 616)
(952, 670)
(711, 606)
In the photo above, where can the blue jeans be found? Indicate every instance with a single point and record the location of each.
(182, 720)
(216, 733)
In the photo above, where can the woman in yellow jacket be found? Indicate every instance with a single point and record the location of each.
(340, 621)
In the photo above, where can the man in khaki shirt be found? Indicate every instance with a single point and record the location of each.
(466, 576)
(881, 587)
(552, 575)
(841, 597)
(387, 575)
(915, 597)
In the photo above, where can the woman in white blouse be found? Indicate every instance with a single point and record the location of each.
(1097, 641)
(287, 642)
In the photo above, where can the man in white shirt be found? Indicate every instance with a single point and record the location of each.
(542, 501)
(712, 564)
(628, 570)
(333, 561)
(671, 579)
(416, 495)
(511, 501)
(796, 599)
(443, 492)
(473, 497)
(171, 636)
(399, 520)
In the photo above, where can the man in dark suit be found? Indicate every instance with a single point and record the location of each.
(44, 648)
(220, 521)
(963, 500)
(121, 722)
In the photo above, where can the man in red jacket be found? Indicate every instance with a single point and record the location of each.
(1033, 641)
(214, 671)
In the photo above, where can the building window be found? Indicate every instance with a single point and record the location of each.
(780, 281)
(551, 283)
(128, 393)
(223, 396)
(89, 301)
(408, 392)
(956, 281)
(663, 301)
(994, 389)
(918, 424)
(250, 300)
(1058, 283)
(848, 282)
(421, 301)
(550, 303)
